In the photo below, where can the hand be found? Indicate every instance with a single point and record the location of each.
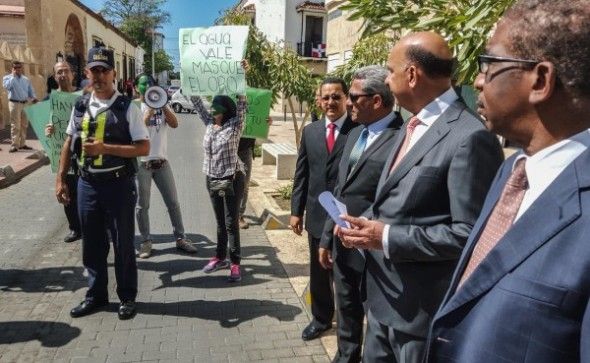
(244, 63)
(363, 234)
(93, 147)
(34, 100)
(325, 258)
(49, 129)
(269, 120)
(62, 193)
(296, 224)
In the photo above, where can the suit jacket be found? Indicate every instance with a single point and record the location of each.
(356, 188)
(431, 201)
(528, 300)
(316, 171)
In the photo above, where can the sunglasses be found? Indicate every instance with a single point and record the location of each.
(354, 97)
(334, 97)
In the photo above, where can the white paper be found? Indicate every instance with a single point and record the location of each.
(334, 207)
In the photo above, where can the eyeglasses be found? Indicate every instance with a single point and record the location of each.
(334, 97)
(354, 98)
(484, 61)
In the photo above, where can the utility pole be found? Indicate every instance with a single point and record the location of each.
(153, 52)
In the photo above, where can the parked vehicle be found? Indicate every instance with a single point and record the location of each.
(170, 90)
(180, 103)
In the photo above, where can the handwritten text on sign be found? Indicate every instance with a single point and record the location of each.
(210, 60)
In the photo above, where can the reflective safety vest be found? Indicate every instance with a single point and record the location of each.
(110, 126)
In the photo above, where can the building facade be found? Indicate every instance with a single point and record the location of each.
(342, 34)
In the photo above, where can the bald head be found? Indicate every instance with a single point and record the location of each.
(429, 51)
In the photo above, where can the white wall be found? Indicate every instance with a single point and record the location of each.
(271, 19)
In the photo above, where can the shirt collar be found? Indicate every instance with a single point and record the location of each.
(109, 102)
(338, 122)
(437, 107)
(380, 125)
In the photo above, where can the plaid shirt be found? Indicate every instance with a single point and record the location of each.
(221, 143)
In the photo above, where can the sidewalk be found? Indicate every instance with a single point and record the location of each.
(15, 166)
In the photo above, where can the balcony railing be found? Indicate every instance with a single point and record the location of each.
(312, 50)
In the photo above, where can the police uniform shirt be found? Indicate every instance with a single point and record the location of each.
(137, 127)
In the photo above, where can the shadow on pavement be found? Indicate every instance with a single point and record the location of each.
(50, 334)
(229, 314)
(50, 279)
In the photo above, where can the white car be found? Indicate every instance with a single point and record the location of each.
(180, 102)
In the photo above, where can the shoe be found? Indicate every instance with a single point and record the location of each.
(243, 223)
(12, 149)
(25, 147)
(127, 310)
(234, 274)
(72, 236)
(186, 245)
(87, 307)
(215, 264)
(312, 331)
(145, 249)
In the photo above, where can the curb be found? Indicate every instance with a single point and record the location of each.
(11, 174)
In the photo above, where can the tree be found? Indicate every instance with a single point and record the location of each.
(138, 19)
(372, 49)
(465, 23)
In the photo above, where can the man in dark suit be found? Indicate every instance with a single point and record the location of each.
(366, 150)
(316, 171)
(521, 290)
(428, 198)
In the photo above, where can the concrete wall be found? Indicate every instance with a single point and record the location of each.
(342, 34)
(271, 18)
(12, 30)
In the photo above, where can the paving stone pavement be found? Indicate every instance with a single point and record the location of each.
(183, 315)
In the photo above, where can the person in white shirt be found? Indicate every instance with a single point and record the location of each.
(156, 167)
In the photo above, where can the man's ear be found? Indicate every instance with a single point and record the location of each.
(543, 81)
(412, 75)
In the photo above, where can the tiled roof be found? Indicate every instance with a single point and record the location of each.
(310, 5)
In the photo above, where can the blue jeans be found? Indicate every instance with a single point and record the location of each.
(165, 183)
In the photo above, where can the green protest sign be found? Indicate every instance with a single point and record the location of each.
(210, 60)
(259, 101)
(57, 111)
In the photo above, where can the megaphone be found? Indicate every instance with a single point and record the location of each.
(155, 97)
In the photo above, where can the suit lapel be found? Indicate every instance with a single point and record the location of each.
(556, 208)
(345, 160)
(382, 139)
(439, 129)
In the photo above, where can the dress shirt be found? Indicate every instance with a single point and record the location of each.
(19, 88)
(427, 116)
(338, 124)
(544, 167)
(377, 128)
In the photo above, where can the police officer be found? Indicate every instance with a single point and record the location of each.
(105, 135)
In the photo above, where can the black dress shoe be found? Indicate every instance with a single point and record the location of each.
(87, 307)
(312, 331)
(25, 147)
(72, 236)
(12, 149)
(127, 310)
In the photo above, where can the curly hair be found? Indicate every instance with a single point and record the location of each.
(556, 31)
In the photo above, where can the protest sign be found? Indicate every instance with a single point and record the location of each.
(57, 111)
(259, 101)
(210, 60)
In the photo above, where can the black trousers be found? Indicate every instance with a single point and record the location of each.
(227, 216)
(348, 272)
(71, 210)
(320, 287)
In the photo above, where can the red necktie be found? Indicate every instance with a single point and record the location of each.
(414, 121)
(331, 139)
(500, 219)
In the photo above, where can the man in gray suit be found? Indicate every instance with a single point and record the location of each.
(428, 197)
(363, 158)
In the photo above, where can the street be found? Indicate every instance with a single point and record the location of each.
(183, 314)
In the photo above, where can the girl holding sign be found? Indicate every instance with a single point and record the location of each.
(225, 175)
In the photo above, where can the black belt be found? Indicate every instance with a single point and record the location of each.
(104, 176)
(11, 100)
(154, 164)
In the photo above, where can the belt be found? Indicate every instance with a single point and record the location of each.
(16, 101)
(153, 164)
(106, 176)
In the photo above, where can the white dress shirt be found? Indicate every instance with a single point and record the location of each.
(544, 167)
(427, 116)
(338, 124)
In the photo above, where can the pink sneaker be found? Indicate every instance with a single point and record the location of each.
(234, 274)
(215, 264)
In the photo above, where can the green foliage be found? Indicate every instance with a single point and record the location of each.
(286, 191)
(162, 62)
(372, 49)
(466, 23)
(257, 151)
(233, 16)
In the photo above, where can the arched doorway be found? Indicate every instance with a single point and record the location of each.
(74, 47)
